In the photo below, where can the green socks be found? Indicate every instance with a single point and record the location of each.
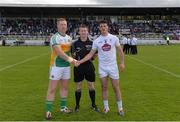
(49, 105)
(63, 102)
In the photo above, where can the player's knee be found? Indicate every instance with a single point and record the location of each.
(104, 87)
(65, 89)
(78, 90)
(91, 86)
(51, 91)
(78, 86)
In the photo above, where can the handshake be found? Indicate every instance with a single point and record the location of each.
(75, 62)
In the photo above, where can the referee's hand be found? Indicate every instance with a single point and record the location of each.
(76, 63)
(122, 67)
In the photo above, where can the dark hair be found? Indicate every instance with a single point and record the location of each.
(103, 22)
(83, 26)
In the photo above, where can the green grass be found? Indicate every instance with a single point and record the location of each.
(148, 93)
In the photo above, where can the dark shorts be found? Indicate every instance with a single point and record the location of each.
(84, 71)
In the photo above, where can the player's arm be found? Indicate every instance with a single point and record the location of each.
(61, 54)
(88, 56)
(95, 55)
(121, 55)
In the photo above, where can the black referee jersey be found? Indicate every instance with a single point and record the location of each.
(80, 49)
(86, 70)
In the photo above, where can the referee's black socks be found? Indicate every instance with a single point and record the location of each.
(92, 94)
(78, 96)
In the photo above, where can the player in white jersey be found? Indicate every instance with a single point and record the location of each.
(59, 67)
(106, 45)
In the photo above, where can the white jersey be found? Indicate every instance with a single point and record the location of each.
(106, 46)
(128, 41)
(125, 40)
(134, 41)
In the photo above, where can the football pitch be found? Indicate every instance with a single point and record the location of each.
(150, 86)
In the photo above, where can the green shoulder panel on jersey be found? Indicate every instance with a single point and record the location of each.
(53, 39)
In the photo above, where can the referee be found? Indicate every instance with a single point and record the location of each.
(80, 49)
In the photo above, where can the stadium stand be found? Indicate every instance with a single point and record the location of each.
(38, 23)
(34, 27)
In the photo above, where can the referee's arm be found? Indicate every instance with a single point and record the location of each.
(88, 56)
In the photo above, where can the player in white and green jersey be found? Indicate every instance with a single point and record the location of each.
(59, 67)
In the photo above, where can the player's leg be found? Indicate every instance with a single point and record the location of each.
(91, 92)
(116, 88)
(104, 86)
(90, 77)
(55, 75)
(92, 95)
(64, 94)
(50, 97)
(64, 90)
(115, 84)
(51, 90)
(114, 75)
(78, 78)
(78, 95)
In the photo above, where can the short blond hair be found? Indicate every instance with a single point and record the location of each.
(61, 19)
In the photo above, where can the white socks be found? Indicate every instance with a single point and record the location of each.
(119, 104)
(106, 105)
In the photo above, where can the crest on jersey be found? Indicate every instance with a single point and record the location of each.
(105, 41)
(88, 47)
(69, 40)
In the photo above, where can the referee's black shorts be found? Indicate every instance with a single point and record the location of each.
(84, 71)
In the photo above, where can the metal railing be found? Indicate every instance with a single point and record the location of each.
(141, 36)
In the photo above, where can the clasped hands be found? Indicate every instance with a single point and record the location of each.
(76, 63)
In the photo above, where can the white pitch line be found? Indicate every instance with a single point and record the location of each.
(155, 67)
(24, 61)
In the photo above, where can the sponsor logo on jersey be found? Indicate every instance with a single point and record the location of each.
(106, 46)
